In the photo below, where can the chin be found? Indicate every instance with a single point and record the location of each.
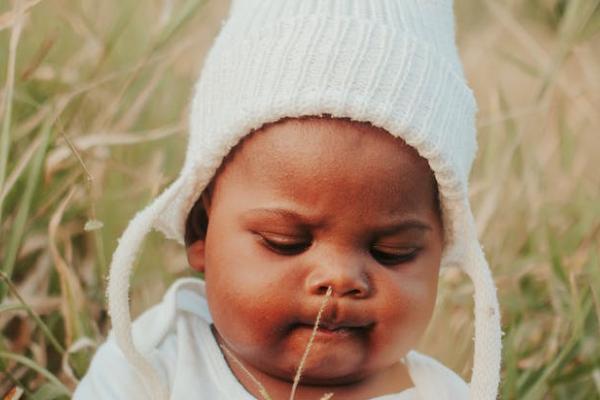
(327, 371)
(331, 378)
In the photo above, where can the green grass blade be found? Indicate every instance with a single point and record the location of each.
(18, 227)
(48, 391)
(10, 85)
(44, 328)
(37, 368)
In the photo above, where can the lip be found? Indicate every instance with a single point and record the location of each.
(332, 331)
(334, 321)
(338, 320)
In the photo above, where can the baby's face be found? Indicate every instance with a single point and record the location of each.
(306, 204)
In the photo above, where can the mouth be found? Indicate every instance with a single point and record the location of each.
(330, 330)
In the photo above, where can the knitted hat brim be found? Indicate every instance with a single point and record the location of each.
(240, 103)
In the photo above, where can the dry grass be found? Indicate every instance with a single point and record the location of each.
(93, 100)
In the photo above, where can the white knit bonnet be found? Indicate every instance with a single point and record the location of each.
(392, 63)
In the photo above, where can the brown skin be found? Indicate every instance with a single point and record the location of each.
(368, 226)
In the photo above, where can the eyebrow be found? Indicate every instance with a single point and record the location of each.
(397, 226)
(404, 225)
(284, 213)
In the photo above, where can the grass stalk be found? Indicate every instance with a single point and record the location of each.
(32, 314)
(24, 205)
(310, 342)
(261, 389)
(37, 368)
(5, 138)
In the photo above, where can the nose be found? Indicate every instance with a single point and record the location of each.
(345, 274)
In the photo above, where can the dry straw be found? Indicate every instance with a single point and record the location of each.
(309, 344)
(262, 390)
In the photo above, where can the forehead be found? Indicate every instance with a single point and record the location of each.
(306, 159)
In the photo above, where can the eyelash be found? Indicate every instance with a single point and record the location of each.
(381, 256)
(285, 249)
(393, 259)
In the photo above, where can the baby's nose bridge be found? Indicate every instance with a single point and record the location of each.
(343, 269)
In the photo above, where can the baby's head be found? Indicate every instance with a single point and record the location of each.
(347, 118)
(304, 204)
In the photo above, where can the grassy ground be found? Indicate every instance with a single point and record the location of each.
(93, 106)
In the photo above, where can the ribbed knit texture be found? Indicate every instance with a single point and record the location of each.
(392, 63)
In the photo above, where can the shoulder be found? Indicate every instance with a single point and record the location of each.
(185, 299)
(433, 380)
(110, 376)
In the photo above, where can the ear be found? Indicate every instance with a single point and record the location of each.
(196, 255)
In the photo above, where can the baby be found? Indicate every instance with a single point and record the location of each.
(324, 187)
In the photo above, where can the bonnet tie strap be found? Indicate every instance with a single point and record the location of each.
(488, 335)
(118, 291)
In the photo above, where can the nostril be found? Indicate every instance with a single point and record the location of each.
(322, 289)
(344, 283)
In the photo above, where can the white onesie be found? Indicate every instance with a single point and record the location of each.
(176, 336)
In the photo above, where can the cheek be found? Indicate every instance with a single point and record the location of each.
(246, 294)
(407, 308)
(238, 270)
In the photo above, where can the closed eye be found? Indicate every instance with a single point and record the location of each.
(284, 246)
(385, 255)
(392, 256)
